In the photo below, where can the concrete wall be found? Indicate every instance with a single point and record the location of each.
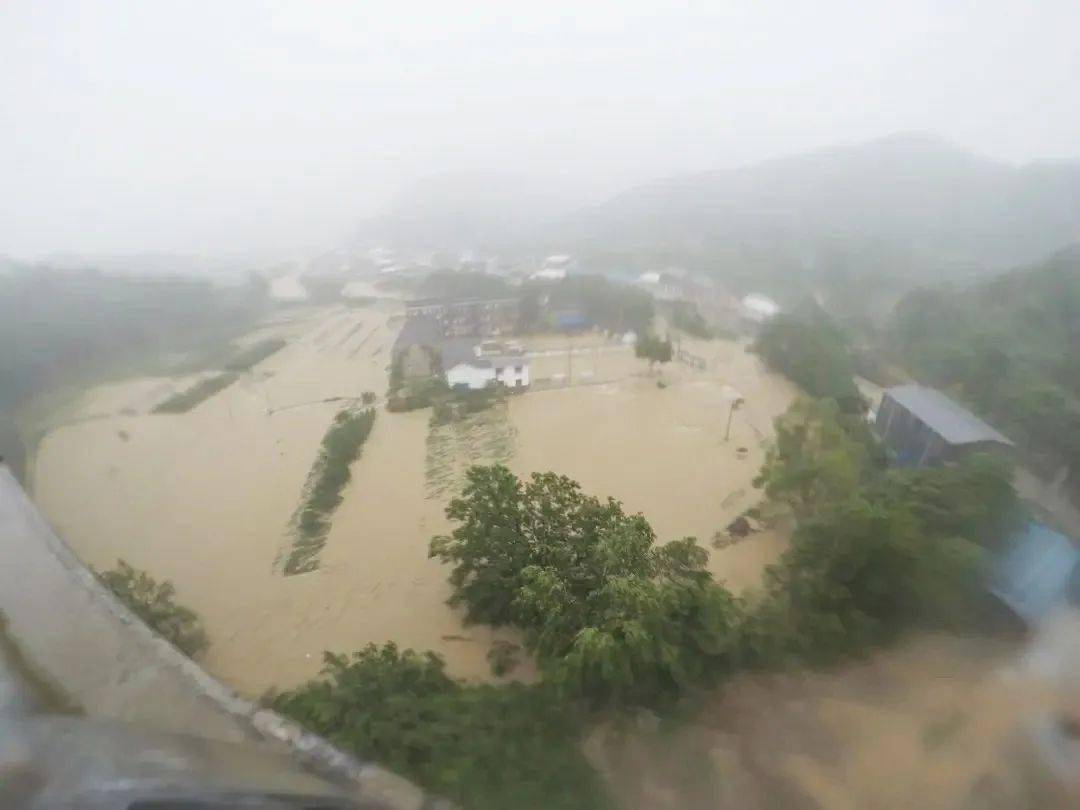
(72, 629)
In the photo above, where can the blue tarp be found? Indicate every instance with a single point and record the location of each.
(1039, 570)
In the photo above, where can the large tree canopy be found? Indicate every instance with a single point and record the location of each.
(811, 351)
(607, 612)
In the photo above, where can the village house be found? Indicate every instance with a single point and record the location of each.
(468, 365)
(922, 427)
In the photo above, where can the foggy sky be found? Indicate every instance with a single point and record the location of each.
(236, 127)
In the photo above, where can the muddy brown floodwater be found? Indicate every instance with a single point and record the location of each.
(204, 498)
(937, 723)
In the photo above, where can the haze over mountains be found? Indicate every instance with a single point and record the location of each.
(910, 205)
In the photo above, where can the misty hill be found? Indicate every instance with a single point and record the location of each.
(910, 205)
(463, 210)
(905, 206)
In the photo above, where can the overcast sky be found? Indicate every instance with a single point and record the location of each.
(235, 126)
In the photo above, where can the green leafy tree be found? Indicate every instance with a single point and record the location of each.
(154, 602)
(686, 316)
(813, 461)
(807, 348)
(605, 304)
(653, 348)
(856, 575)
(483, 747)
(975, 499)
(607, 612)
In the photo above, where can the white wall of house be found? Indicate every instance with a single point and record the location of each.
(470, 376)
(512, 372)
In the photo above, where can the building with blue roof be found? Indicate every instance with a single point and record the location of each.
(1038, 572)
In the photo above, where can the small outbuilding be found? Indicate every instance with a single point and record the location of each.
(921, 427)
(1037, 573)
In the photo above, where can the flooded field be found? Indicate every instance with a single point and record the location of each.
(204, 498)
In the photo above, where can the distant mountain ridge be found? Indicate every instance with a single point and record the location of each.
(909, 204)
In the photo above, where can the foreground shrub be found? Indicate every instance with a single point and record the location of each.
(153, 602)
(483, 746)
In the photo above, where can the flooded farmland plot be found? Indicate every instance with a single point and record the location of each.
(204, 498)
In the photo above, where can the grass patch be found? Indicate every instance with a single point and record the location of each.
(325, 483)
(184, 401)
(255, 354)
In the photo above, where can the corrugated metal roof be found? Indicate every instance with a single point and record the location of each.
(953, 423)
(1037, 572)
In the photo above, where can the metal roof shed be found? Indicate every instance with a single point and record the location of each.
(922, 426)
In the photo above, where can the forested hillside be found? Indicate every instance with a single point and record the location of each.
(1010, 347)
(67, 327)
(60, 325)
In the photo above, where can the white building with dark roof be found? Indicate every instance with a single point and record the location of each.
(472, 366)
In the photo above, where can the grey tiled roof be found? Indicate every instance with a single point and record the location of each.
(461, 350)
(422, 331)
(953, 423)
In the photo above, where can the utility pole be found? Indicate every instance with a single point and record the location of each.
(735, 403)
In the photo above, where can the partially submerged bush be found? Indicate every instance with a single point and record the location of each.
(325, 483)
(184, 401)
(154, 603)
(246, 359)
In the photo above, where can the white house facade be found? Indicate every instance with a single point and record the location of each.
(474, 367)
(472, 377)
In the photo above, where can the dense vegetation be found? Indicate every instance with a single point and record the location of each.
(811, 351)
(615, 620)
(154, 603)
(482, 746)
(325, 483)
(653, 348)
(605, 304)
(609, 615)
(818, 456)
(875, 551)
(685, 316)
(61, 327)
(64, 329)
(1009, 347)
